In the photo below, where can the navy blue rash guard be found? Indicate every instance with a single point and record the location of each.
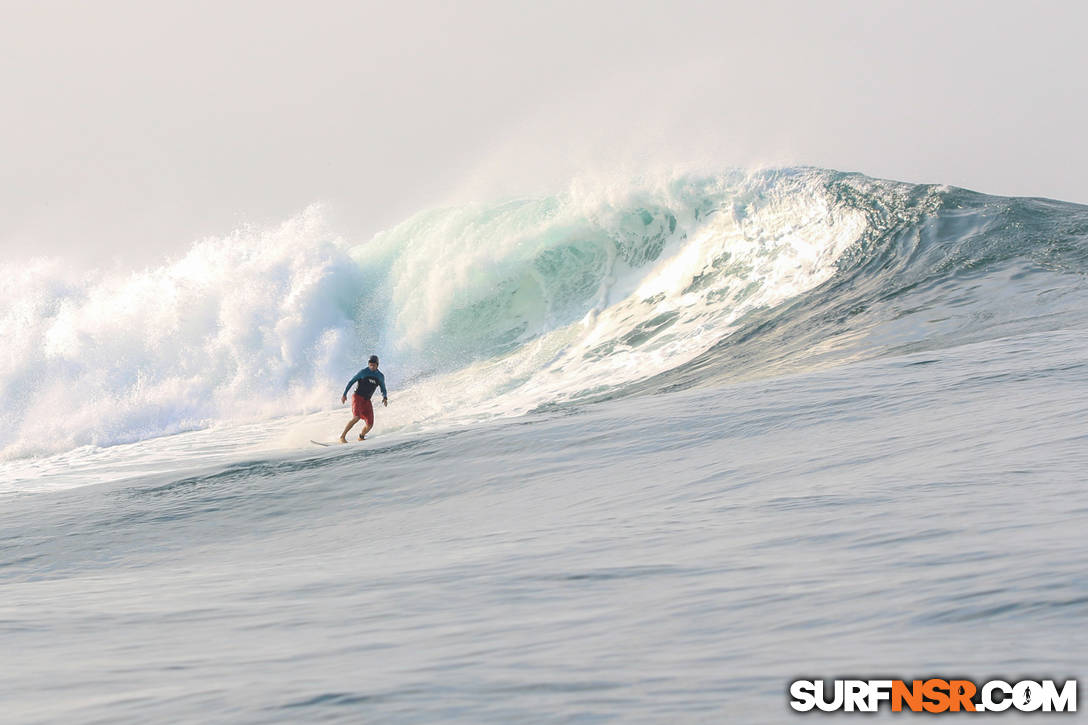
(368, 380)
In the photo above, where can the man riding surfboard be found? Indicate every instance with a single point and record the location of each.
(368, 379)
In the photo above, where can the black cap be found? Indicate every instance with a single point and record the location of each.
(374, 358)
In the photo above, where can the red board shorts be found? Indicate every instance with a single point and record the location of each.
(361, 408)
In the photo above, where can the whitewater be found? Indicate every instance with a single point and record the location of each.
(655, 448)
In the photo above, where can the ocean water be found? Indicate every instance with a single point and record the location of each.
(654, 449)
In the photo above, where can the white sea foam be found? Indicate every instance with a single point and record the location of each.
(237, 328)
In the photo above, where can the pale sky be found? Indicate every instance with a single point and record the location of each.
(132, 129)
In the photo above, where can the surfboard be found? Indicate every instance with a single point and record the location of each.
(324, 445)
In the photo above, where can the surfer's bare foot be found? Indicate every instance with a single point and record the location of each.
(343, 439)
(362, 437)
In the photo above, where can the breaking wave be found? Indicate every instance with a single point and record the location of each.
(499, 309)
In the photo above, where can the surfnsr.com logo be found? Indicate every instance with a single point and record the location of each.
(934, 695)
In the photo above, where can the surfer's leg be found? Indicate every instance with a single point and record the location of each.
(366, 413)
(344, 435)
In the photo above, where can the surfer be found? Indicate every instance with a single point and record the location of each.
(368, 379)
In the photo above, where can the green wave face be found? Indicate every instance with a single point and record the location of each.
(452, 286)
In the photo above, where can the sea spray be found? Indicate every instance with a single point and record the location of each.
(240, 327)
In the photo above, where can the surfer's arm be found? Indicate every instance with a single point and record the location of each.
(381, 384)
(357, 378)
